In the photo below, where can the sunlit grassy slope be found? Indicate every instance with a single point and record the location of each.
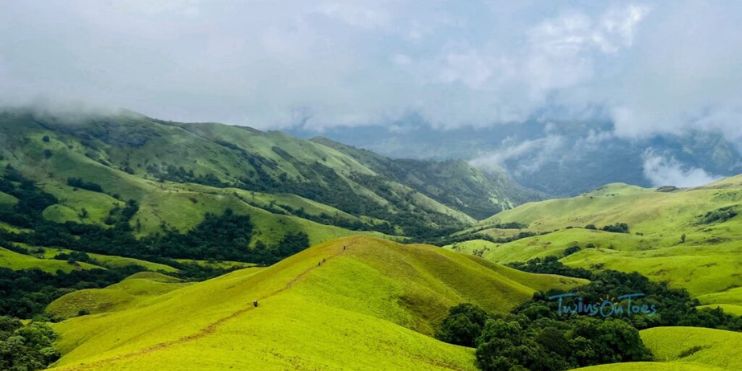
(43, 258)
(356, 302)
(134, 291)
(687, 348)
(708, 263)
(17, 261)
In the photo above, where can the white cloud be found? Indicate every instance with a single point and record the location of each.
(662, 171)
(673, 67)
(538, 152)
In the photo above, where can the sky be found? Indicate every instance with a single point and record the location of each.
(652, 67)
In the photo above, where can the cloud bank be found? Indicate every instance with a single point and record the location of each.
(655, 67)
(663, 171)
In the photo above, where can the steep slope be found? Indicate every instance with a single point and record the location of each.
(453, 182)
(357, 302)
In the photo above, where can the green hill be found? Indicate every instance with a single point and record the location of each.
(177, 172)
(688, 237)
(356, 302)
(686, 348)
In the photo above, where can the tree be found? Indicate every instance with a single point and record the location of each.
(463, 325)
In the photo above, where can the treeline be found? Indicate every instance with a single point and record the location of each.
(25, 293)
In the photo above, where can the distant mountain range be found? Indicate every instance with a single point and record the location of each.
(555, 157)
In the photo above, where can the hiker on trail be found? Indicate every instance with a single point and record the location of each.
(323, 260)
(320, 263)
(255, 303)
(345, 247)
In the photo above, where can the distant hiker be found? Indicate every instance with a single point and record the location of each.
(255, 303)
(345, 247)
(323, 260)
(319, 263)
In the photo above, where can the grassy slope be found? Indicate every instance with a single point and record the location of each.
(134, 291)
(179, 205)
(359, 309)
(111, 261)
(16, 261)
(687, 348)
(708, 262)
(7, 200)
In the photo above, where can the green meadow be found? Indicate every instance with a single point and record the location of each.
(356, 302)
(681, 236)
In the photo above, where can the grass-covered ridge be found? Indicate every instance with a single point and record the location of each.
(356, 302)
(688, 237)
(178, 172)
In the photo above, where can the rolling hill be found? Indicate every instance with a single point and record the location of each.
(177, 172)
(356, 302)
(686, 348)
(688, 237)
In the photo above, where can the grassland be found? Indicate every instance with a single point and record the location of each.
(17, 261)
(356, 302)
(177, 172)
(669, 238)
(133, 291)
(687, 348)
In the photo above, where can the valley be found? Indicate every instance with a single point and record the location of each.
(143, 258)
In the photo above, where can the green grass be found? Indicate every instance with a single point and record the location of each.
(706, 263)
(16, 261)
(221, 264)
(7, 200)
(687, 348)
(370, 306)
(133, 291)
(11, 228)
(105, 261)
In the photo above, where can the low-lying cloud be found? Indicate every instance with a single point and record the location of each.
(664, 171)
(656, 68)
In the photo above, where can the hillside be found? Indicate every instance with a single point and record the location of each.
(557, 157)
(688, 237)
(177, 172)
(686, 348)
(453, 182)
(357, 302)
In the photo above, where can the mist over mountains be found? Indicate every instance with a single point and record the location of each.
(564, 157)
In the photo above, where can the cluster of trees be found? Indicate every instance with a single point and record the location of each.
(674, 307)
(80, 183)
(218, 237)
(537, 335)
(25, 293)
(452, 239)
(28, 347)
(718, 216)
(30, 203)
(531, 341)
(615, 228)
(180, 174)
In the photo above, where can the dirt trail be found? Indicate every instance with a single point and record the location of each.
(203, 332)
